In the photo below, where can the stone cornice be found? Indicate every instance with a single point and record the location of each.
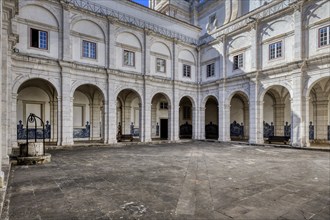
(105, 11)
(244, 21)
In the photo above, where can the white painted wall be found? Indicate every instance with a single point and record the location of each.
(89, 31)
(37, 17)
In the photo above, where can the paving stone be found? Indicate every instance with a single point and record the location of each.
(193, 180)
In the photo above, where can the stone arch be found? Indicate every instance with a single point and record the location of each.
(207, 97)
(311, 83)
(192, 100)
(311, 11)
(240, 92)
(53, 16)
(164, 94)
(18, 83)
(162, 45)
(272, 26)
(187, 55)
(79, 83)
(136, 37)
(79, 19)
(263, 90)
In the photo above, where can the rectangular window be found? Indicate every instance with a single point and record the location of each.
(89, 49)
(238, 61)
(39, 39)
(210, 70)
(186, 70)
(161, 65)
(275, 50)
(163, 105)
(186, 112)
(324, 38)
(129, 58)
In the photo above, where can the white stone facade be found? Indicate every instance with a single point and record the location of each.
(160, 73)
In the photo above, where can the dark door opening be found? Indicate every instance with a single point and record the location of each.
(163, 128)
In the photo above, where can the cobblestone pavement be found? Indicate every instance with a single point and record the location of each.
(199, 180)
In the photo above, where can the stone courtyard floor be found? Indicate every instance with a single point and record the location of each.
(192, 180)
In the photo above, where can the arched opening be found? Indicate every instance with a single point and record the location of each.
(319, 112)
(186, 118)
(239, 117)
(276, 112)
(211, 118)
(129, 114)
(160, 117)
(88, 114)
(39, 97)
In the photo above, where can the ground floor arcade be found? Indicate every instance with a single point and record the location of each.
(90, 113)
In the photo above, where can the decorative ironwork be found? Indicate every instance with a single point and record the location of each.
(287, 130)
(328, 132)
(136, 132)
(311, 131)
(211, 131)
(132, 128)
(268, 129)
(82, 132)
(24, 148)
(236, 129)
(21, 132)
(186, 130)
(106, 11)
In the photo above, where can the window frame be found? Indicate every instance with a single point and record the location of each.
(184, 70)
(276, 56)
(327, 28)
(212, 73)
(160, 59)
(129, 52)
(163, 105)
(240, 62)
(39, 39)
(89, 49)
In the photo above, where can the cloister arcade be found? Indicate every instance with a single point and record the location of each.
(40, 97)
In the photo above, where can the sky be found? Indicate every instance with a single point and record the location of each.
(142, 2)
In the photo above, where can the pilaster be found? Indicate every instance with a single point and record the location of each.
(298, 137)
(66, 109)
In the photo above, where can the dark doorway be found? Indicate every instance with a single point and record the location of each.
(163, 128)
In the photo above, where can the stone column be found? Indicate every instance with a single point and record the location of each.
(226, 122)
(147, 122)
(321, 123)
(201, 134)
(95, 121)
(256, 115)
(246, 121)
(222, 113)
(53, 120)
(298, 138)
(176, 124)
(279, 119)
(66, 109)
(194, 123)
(112, 124)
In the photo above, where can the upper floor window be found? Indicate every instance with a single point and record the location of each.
(238, 61)
(210, 70)
(275, 50)
(163, 105)
(186, 70)
(89, 49)
(129, 58)
(39, 39)
(324, 38)
(161, 65)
